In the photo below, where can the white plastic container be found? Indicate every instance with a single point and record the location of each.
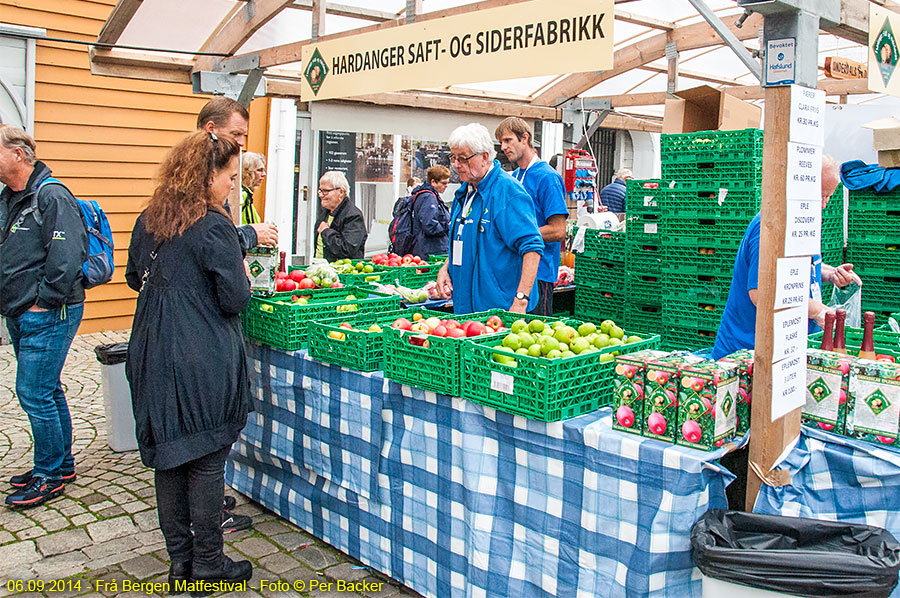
(716, 588)
(117, 405)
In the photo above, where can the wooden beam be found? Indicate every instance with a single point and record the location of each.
(627, 17)
(345, 10)
(121, 63)
(241, 25)
(688, 37)
(691, 74)
(292, 52)
(854, 23)
(318, 20)
(118, 20)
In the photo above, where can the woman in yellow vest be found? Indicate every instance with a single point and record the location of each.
(254, 171)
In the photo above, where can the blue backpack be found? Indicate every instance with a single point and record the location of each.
(98, 267)
(400, 232)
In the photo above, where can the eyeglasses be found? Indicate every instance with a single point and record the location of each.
(324, 192)
(461, 159)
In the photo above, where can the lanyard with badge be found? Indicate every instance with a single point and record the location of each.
(815, 287)
(464, 213)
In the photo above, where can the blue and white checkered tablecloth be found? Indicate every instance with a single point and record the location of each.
(835, 478)
(456, 499)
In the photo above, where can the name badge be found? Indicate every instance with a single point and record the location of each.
(457, 253)
(816, 290)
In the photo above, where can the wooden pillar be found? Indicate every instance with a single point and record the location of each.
(672, 58)
(318, 20)
(768, 438)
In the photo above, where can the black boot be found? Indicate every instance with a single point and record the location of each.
(230, 571)
(179, 572)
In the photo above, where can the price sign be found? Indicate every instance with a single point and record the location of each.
(790, 328)
(502, 383)
(804, 171)
(807, 112)
(802, 234)
(792, 282)
(788, 385)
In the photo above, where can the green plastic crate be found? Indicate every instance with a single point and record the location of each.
(700, 259)
(604, 244)
(732, 199)
(698, 287)
(868, 199)
(645, 287)
(714, 171)
(644, 258)
(695, 314)
(886, 342)
(435, 367)
(356, 348)
(284, 325)
(643, 318)
(593, 304)
(645, 229)
(874, 255)
(884, 289)
(540, 388)
(705, 232)
(645, 196)
(598, 272)
(687, 338)
(745, 144)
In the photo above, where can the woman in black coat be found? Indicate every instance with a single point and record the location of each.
(186, 363)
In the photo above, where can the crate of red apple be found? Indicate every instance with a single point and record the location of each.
(424, 350)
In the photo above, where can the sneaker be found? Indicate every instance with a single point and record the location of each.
(21, 480)
(232, 522)
(38, 491)
(229, 503)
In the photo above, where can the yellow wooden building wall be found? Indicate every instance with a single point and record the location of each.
(103, 136)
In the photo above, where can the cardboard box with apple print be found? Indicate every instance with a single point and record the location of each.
(744, 360)
(629, 383)
(827, 389)
(707, 404)
(875, 399)
(661, 394)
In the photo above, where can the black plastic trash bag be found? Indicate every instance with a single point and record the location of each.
(794, 555)
(111, 354)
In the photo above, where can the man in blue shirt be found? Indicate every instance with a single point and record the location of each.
(495, 246)
(737, 330)
(613, 195)
(546, 189)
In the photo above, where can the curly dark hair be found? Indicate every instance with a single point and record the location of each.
(182, 193)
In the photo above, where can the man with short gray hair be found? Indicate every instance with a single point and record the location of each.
(613, 195)
(495, 244)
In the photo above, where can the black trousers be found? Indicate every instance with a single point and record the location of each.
(545, 299)
(192, 493)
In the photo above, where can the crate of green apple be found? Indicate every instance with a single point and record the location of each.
(547, 371)
(352, 341)
(423, 349)
(281, 320)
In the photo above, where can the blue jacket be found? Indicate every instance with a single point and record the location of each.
(613, 196)
(497, 231)
(431, 222)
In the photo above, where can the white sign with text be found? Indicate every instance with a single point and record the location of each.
(804, 171)
(790, 330)
(803, 230)
(792, 282)
(788, 385)
(807, 116)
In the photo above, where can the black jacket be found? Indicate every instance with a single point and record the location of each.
(40, 264)
(346, 235)
(186, 364)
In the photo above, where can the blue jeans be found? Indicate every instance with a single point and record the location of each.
(41, 340)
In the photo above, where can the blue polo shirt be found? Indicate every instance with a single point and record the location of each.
(546, 189)
(737, 330)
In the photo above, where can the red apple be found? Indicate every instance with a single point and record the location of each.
(886, 358)
(456, 333)
(337, 285)
(297, 275)
(402, 324)
(280, 274)
(475, 328)
(452, 324)
(494, 322)
(439, 330)
(307, 283)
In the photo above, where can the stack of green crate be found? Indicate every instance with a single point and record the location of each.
(644, 203)
(717, 179)
(873, 247)
(833, 235)
(600, 277)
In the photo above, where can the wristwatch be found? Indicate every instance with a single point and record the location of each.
(522, 296)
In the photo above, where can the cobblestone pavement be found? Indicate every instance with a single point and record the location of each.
(105, 527)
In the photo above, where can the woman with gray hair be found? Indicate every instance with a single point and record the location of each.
(340, 227)
(253, 171)
(495, 243)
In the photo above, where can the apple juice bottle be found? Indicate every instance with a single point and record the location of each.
(840, 343)
(867, 349)
(828, 332)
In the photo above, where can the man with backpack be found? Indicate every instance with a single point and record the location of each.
(421, 221)
(43, 247)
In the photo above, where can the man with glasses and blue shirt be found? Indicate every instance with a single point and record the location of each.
(546, 189)
(495, 244)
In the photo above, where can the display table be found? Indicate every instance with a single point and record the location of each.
(455, 499)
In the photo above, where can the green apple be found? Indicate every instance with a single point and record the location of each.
(554, 354)
(548, 343)
(519, 326)
(587, 329)
(616, 341)
(368, 268)
(557, 325)
(547, 332)
(563, 347)
(579, 345)
(605, 357)
(567, 354)
(536, 326)
(512, 341)
(565, 334)
(634, 339)
(527, 339)
(601, 341)
(535, 350)
(606, 325)
(616, 332)
(524, 351)
(505, 359)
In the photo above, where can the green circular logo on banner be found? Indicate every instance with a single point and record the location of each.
(885, 48)
(316, 71)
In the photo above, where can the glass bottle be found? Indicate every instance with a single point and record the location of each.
(828, 332)
(840, 343)
(867, 349)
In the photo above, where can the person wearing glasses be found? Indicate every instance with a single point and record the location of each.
(495, 244)
(737, 329)
(190, 405)
(340, 227)
(253, 171)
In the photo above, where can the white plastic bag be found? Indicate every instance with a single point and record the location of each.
(848, 298)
